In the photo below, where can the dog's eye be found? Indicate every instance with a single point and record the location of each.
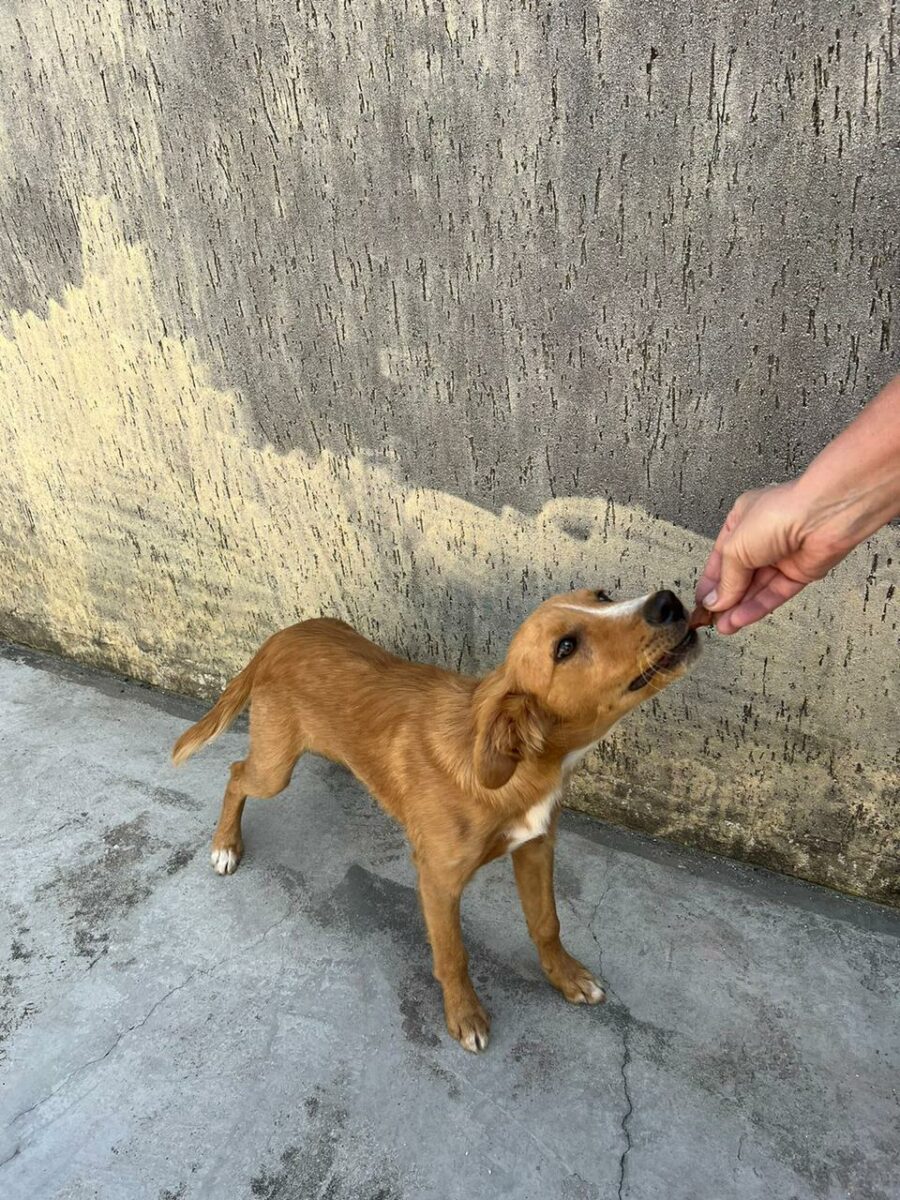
(601, 595)
(565, 647)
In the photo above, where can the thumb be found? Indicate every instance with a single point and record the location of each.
(734, 579)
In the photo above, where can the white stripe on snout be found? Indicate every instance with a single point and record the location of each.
(624, 608)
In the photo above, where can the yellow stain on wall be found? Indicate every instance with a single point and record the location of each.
(144, 529)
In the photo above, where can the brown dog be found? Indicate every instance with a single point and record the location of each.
(472, 768)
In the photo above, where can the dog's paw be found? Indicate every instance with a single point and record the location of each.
(225, 859)
(470, 1025)
(583, 989)
(575, 981)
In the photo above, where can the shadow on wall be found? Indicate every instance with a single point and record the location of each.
(143, 530)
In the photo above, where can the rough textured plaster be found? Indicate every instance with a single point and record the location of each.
(144, 528)
(531, 249)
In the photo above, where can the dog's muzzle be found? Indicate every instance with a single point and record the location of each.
(666, 661)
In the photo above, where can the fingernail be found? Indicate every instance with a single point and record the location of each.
(710, 598)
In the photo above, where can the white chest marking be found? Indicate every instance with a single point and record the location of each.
(534, 823)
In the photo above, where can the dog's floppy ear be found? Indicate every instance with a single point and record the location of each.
(510, 727)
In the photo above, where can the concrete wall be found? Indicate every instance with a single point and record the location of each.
(413, 313)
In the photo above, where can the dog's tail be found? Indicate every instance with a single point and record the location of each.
(219, 717)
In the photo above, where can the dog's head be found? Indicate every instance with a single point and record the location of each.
(575, 666)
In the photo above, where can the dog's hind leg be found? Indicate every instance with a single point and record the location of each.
(275, 746)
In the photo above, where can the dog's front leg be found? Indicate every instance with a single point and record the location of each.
(466, 1019)
(533, 866)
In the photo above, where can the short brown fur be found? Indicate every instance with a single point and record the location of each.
(459, 761)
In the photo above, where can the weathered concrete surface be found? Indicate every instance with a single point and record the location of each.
(169, 1033)
(414, 314)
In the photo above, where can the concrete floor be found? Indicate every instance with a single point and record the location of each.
(170, 1034)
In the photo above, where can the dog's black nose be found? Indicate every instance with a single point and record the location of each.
(663, 608)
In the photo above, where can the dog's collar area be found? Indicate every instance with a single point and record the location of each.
(665, 661)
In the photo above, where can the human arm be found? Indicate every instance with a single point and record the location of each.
(778, 539)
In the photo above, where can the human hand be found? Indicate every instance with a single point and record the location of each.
(772, 544)
(778, 539)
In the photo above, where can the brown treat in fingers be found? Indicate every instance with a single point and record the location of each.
(701, 616)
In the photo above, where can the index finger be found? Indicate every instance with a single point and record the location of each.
(778, 590)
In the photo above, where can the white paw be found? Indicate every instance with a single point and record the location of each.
(583, 989)
(224, 861)
(475, 1041)
(594, 993)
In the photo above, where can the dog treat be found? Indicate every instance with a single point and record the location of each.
(701, 616)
